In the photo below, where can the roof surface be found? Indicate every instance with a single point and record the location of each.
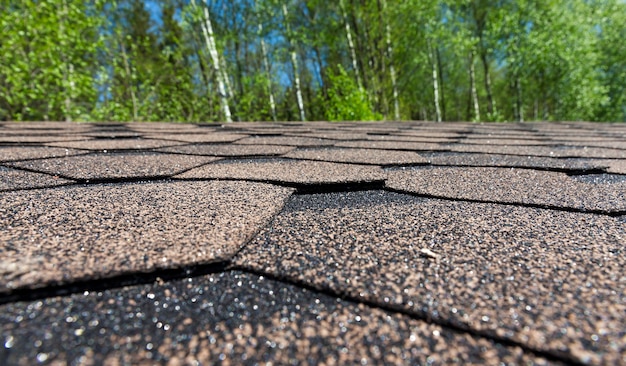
(312, 243)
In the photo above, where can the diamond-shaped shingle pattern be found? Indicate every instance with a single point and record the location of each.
(312, 243)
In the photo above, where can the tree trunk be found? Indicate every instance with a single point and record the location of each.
(355, 64)
(129, 77)
(361, 53)
(433, 63)
(441, 84)
(268, 73)
(207, 31)
(473, 87)
(294, 63)
(518, 99)
(491, 104)
(68, 67)
(392, 70)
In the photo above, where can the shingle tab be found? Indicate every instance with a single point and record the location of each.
(287, 171)
(34, 152)
(57, 236)
(11, 179)
(359, 156)
(116, 144)
(544, 278)
(522, 186)
(236, 318)
(115, 165)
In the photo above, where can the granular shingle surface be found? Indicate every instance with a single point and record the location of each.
(116, 144)
(18, 179)
(232, 318)
(503, 270)
(515, 161)
(288, 171)
(198, 137)
(229, 150)
(523, 186)
(312, 243)
(23, 153)
(359, 156)
(115, 165)
(88, 232)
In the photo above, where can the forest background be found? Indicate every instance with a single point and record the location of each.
(264, 60)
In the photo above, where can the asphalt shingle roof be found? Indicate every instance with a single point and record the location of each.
(312, 243)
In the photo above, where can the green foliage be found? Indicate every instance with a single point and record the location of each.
(46, 52)
(345, 102)
(122, 60)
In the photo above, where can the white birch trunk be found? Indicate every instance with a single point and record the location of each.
(294, 62)
(355, 64)
(433, 62)
(473, 87)
(68, 68)
(129, 77)
(209, 38)
(266, 65)
(392, 70)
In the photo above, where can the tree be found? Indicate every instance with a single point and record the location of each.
(46, 68)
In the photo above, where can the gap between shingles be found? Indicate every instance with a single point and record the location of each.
(112, 282)
(457, 327)
(136, 279)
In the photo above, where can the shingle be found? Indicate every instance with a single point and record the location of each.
(285, 141)
(287, 171)
(547, 279)
(76, 233)
(162, 127)
(509, 266)
(107, 166)
(229, 150)
(231, 317)
(48, 138)
(197, 137)
(394, 145)
(498, 140)
(116, 144)
(48, 126)
(497, 160)
(522, 186)
(33, 152)
(548, 151)
(612, 165)
(18, 179)
(358, 156)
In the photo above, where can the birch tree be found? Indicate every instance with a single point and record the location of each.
(392, 70)
(351, 48)
(268, 72)
(209, 38)
(433, 62)
(473, 92)
(294, 63)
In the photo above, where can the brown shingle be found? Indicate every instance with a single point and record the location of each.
(33, 152)
(11, 179)
(115, 165)
(547, 279)
(287, 171)
(232, 317)
(229, 150)
(116, 144)
(358, 156)
(523, 186)
(87, 232)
